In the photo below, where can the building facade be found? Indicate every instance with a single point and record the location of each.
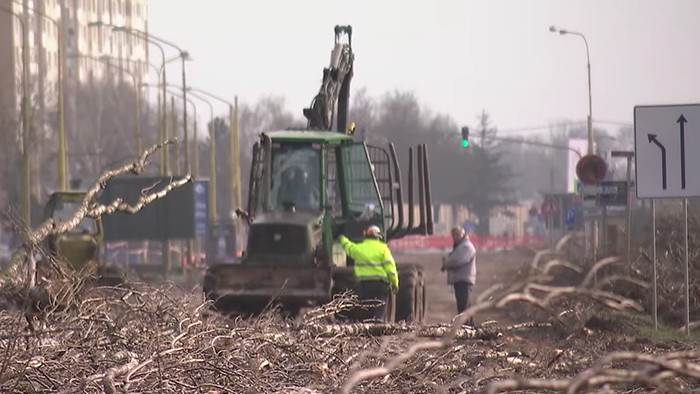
(101, 40)
(93, 49)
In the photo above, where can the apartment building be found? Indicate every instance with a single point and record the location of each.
(93, 49)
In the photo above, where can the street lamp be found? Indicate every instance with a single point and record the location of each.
(212, 159)
(158, 116)
(136, 87)
(233, 139)
(190, 243)
(184, 56)
(164, 113)
(25, 200)
(61, 138)
(590, 99)
(194, 109)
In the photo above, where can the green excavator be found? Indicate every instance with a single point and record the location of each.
(307, 185)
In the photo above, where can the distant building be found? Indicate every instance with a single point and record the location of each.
(73, 17)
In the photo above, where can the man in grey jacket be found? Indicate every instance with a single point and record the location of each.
(460, 265)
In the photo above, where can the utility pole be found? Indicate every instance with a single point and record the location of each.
(174, 128)
(25, 165)
(165, 169)
(235, 157)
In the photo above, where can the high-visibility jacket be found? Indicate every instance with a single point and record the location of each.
(373, 260)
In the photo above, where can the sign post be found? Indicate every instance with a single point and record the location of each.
(592, 169)
(550, 207)
(653, 253)
(660, 144)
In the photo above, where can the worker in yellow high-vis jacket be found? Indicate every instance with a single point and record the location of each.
(375, 269)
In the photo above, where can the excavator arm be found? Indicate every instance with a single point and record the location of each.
(335, 87)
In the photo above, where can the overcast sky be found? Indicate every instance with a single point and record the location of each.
(457, 56)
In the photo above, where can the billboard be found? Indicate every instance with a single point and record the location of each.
(181, 214)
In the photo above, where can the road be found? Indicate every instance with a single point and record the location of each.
(491, 268)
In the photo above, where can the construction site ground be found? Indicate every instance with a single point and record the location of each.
(492, 268)
(156, 338)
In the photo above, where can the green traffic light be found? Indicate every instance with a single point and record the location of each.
(465, 143)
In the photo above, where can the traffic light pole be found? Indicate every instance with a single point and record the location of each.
(517, 141)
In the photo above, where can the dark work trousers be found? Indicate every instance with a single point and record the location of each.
(374, 292)
(462, 292)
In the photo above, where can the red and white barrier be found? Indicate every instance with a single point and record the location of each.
(482, 243)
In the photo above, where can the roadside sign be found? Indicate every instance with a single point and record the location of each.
(592, 212)
(666, 139)
(591, 169)
(570, 218)
(613, 193)
(201, 207)
(605, 193)
(550, 206)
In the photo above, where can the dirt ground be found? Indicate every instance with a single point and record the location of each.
(491, 268)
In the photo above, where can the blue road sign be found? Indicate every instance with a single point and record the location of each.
(201, 214)
(570, 218)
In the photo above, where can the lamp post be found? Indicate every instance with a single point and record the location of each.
(196, 132)
(233, 140)
(594, 228)
(184, 56)
(136, 87)
(629, 155)
(158, 116)
(212, 159)
(142, 85)
(190, 244)
(61, 180)
(590, 99)
(234, 157)
(172, 93)
(164, 112)
(25, 184)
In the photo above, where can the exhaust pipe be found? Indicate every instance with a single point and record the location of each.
(428, 193)
(252, 181)
(398, 226)
(421, 229)
(409, 225)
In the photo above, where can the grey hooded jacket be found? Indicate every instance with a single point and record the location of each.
(460, 264)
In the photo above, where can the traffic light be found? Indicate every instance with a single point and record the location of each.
(465, 136)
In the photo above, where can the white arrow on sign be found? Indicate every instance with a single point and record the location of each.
(662, 136)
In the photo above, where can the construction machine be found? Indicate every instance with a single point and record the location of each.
(308, 185)
(82, 246)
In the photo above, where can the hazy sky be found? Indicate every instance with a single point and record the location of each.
(457, 56)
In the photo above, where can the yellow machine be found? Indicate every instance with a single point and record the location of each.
(80, 247)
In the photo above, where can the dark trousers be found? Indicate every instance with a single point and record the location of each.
(462, 292)
(372, 294)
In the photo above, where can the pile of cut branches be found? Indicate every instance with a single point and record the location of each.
(145, 339)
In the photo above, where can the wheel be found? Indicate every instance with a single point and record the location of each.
(407, 296)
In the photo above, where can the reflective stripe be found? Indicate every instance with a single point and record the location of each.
(373, 277)
(374, 264)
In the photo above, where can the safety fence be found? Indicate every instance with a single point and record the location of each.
(481, 243)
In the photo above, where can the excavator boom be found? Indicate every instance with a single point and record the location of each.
(335, 87)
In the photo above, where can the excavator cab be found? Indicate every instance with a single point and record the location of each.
(81, 246)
